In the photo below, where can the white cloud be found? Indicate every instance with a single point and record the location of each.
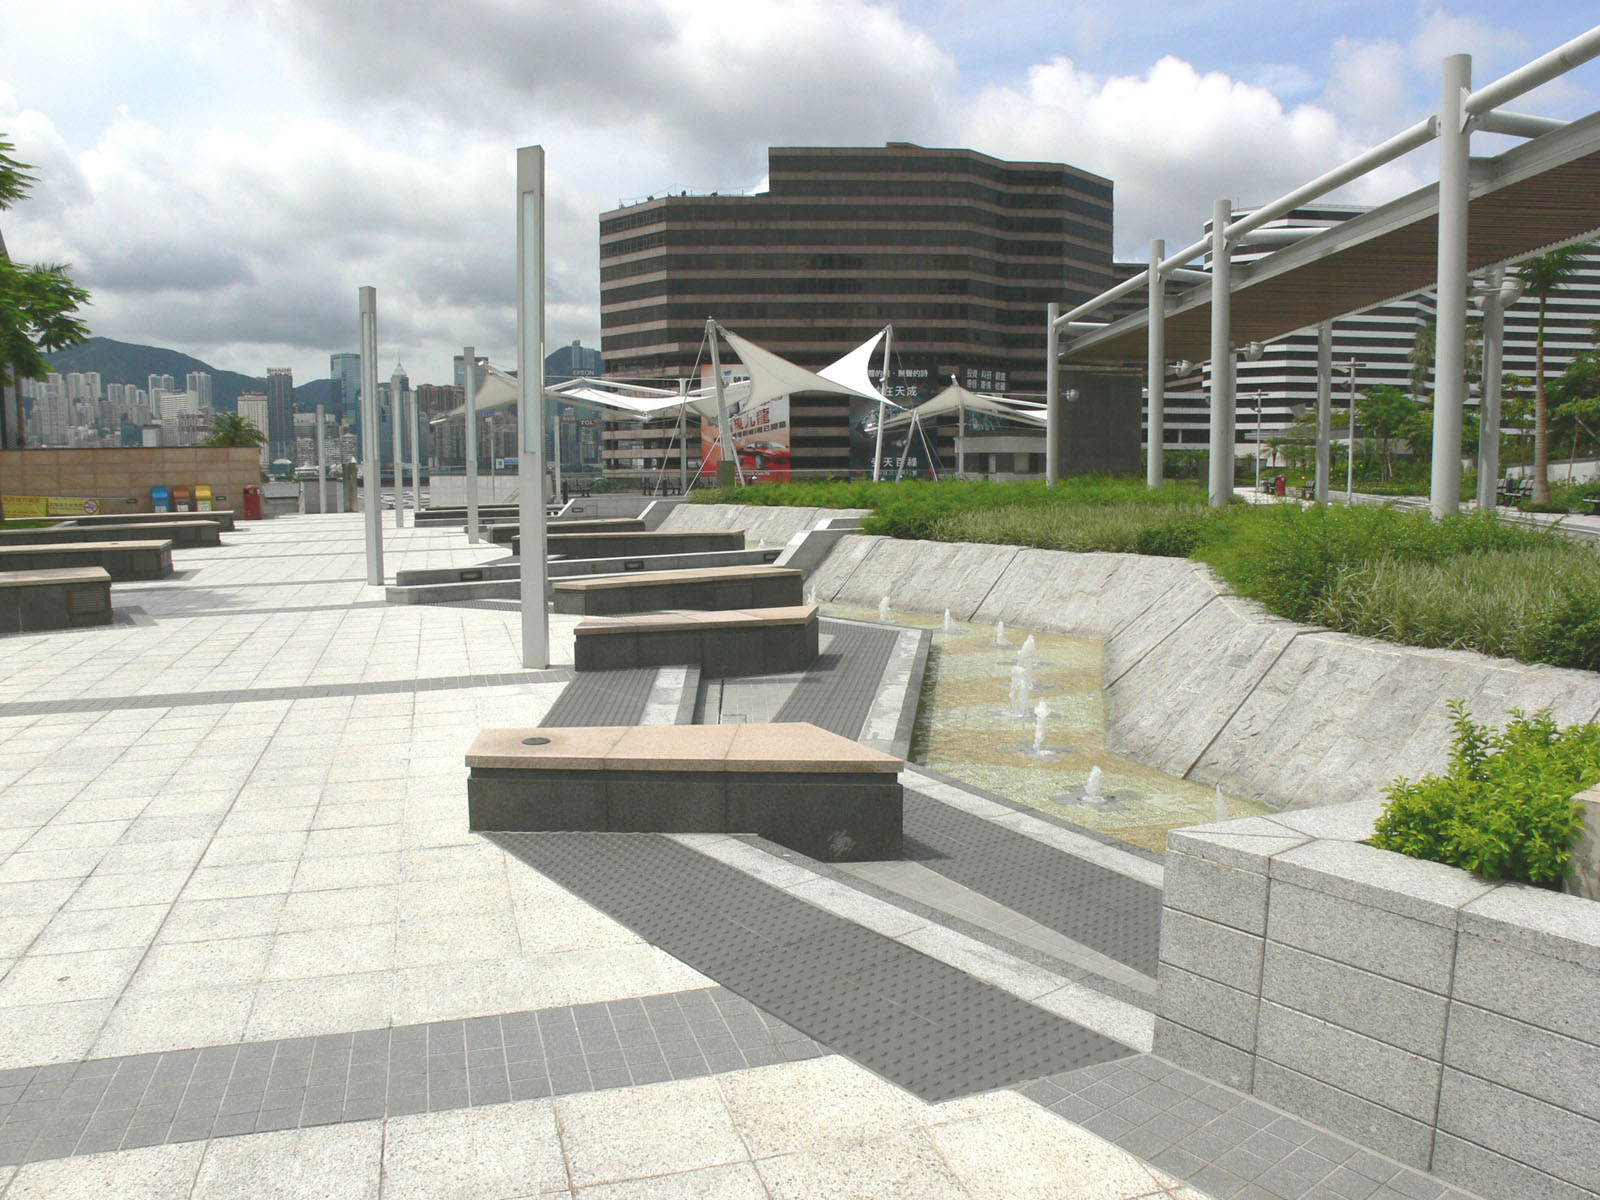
(1369, 83)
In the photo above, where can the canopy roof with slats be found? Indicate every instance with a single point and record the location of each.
(1539, 194)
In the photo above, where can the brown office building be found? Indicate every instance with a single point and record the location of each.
(958, 251)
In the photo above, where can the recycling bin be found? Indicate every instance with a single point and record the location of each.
(161, 499)
(252, 502)
(202, 497)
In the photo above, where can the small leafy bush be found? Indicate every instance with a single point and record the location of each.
(1503, 809)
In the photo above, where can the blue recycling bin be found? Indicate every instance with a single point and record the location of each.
(161, 499)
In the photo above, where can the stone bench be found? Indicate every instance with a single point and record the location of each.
(797, 785)
(179, 533)
(760, 641)
(711, 588)
(122, 560)
(65, 598)
(501, 534)
(611, 545)
(222, 517)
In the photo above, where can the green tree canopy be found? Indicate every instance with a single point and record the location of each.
(38, 304)
(228, 429)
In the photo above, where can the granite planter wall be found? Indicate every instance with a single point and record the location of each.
(1451, 1023)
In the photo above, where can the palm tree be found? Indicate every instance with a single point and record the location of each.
(1544, 277)
(229, 429)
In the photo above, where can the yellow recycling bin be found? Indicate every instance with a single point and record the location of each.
(202, 497)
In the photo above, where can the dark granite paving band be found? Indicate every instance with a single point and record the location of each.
(189, 1095)
(837, 692)
(932, 1029)
(1109, 912)
(1223, 1142)
(602, 698)
(169, 610)
(309, 691)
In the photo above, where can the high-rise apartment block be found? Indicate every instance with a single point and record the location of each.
(280, 412)
(253, 407)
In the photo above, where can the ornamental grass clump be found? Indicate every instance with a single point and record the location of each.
(1504, 808)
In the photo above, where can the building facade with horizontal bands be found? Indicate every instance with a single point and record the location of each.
(958, 251)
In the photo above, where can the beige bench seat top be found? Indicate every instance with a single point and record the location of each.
(681, 620)
(85, 547)
(55, 575)
(679, 575)
(790, 746)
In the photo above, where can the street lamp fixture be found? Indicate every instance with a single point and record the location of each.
(1350, 456)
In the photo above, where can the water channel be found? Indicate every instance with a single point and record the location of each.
(974, 724)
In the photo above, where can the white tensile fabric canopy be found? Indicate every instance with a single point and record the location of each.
(771, 375)
(956, 398)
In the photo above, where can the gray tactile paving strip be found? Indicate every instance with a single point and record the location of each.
(837, 693)
(932, 1029)
(1109, 912)
(1223, 1142)
(189, 1095)
(310, 691)
(602, 698)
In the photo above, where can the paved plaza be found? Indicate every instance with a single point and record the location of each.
(248, 947)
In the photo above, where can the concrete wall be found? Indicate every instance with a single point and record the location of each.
(1442, 1020)
(763, 526)
(121, 479)
(1208, 686)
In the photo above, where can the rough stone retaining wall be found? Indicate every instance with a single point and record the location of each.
(1442, 1020)
(1208, 686)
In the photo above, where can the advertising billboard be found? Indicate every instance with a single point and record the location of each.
(761, 434)
(910, 384)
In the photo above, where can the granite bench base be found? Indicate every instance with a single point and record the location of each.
(611, 545)
(762, 641)
(179, 533)
(121, 560)
(70, 598)
(504, 533)
(218, 516)
(716, 589)
(848, 808)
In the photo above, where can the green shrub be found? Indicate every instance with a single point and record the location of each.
(1503, 809)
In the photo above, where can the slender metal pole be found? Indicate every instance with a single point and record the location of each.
(683, 437)
(727, 458)
(530, 401)
(1494, 331)
(416, 458)
(1450, 344)
(883, 409)
(469, 355)
(555, 443)
(1258, 442)
(1350, 458)
(1155, 371)
(961, 440)
(1324, 406)
(1221, 450)
(322, 464)
(1052, 394)
(371, 469)
(396, 417)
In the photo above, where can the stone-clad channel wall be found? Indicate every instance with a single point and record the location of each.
(1207, 686)
(1450, 1023)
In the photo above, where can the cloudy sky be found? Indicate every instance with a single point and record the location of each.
(224, 174)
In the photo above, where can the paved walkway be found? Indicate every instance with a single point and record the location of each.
(248, 948)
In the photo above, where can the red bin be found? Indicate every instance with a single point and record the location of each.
(252, 502)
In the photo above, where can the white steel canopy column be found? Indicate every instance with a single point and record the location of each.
(1220, 490)
(1494, 332)
(530, 406)
(1052, 394)
(1450, 345)
(322, 464)
(469, 355)
(371, 468)
(1324, 406)
(1156, 370)
(396, 418)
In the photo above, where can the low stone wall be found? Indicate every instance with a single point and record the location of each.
(121, 479)
(1445, 1021)
(1207, 686)
(761, 525)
